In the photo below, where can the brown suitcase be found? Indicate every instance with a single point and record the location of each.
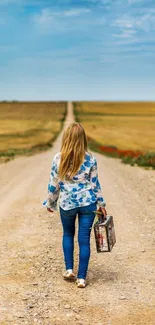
(104, 234)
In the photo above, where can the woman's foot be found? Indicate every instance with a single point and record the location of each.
(69, 275)
(81, 283)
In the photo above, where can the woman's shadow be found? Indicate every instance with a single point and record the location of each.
(98, 274)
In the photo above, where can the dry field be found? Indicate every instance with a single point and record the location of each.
(27, 126)
(124, 125)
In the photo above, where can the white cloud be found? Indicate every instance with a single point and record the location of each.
(124, 23)
(146, 22)
(125, 34)
(47, 15)
(125, 28)
(74, 12)
(130, 24)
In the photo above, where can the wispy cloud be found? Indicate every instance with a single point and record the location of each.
(123, 23)
(144, 22)
(133, 27)
(47, 15)
(125, 34)
(74, 12)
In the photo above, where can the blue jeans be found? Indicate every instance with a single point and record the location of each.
(85, 220)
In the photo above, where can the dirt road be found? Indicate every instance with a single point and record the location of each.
(121, 283)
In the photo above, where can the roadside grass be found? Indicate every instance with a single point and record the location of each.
(29, 127)
(124, 130)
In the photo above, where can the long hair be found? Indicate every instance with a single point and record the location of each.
(73, 148)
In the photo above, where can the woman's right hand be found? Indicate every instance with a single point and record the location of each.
(103, 211)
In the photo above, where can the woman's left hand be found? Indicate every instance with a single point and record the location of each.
(50, 210)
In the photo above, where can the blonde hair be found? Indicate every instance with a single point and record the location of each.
(73, 148)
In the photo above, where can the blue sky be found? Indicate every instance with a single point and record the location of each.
(74, 50)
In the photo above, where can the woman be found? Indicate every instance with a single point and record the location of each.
(74, 180)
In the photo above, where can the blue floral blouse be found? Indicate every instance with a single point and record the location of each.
(82, 190)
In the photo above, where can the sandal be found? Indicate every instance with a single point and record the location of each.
(69, 275)
(81, 283)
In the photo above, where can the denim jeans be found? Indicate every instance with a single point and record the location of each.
(85, 220)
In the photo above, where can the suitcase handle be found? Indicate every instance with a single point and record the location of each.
(101, 217)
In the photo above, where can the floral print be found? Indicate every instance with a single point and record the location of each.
(82, 190)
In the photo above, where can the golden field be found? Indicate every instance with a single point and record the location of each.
(28, 125)
(126, 125)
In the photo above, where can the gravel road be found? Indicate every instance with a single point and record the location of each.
(121, 284)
